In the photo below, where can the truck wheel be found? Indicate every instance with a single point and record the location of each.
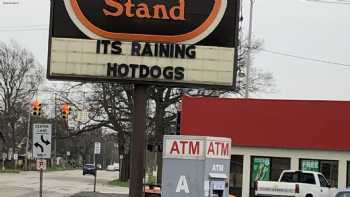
(308, 195)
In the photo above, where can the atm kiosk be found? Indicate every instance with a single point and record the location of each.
(196, 166)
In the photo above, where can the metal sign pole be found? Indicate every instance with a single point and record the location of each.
(95, 181)
(138, 142)
(3, 163)
(41, 182)
(55, 132)
(27, 144)
(95, 169)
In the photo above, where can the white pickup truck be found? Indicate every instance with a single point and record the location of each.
(296, 184)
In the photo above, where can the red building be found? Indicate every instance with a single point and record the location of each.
(283, 134)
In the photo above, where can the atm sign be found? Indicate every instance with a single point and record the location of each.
(218, 149)
(197, 149)
(186, 149)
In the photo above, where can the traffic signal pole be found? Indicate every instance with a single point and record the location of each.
(27, 143)
(138, 142)
(36, 110)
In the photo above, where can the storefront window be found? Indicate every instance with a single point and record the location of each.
(261, 169)
(310, 165)
(267, 169)
(328, 168)
(236, 173)
(277, 166)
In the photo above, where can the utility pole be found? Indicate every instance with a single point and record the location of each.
(138, 142)
(250, 30)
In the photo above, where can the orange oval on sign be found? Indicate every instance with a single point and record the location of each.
(113, 17)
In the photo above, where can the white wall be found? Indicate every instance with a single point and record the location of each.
(294, 154)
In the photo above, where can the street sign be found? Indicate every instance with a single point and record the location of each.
(97, 148)
(29, 155)
(68, 153)
(41, 164)
(9, 155)
(15, 156)
(4, 156)
(83, 116)
(42, 141)
(183, 43)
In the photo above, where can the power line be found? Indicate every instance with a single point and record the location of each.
(338, 2)
(23, 26)
(32, 29)
(304, 58)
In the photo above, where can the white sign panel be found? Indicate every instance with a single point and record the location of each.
(97, 148)
(15, 157)
(9, 155)
(83, 116)
(188, 147)
(4, 156)
(184, 148)
(187, 64)
(218, 185)
(41, 164)
(218, 149)
(42, 141)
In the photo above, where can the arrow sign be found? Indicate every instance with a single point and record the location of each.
(39, 146)
(42, 141)
(45, 141)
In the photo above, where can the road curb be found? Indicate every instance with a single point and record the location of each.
(97, 194)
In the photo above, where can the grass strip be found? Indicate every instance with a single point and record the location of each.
(119, 183)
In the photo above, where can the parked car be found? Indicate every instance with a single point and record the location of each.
(343, 193)
(113, 167)
(152, 191)
(89, 169)
(297, 184)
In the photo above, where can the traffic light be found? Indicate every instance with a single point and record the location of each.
(36, 108)
(65, 110)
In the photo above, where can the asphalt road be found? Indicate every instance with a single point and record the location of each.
(70, 183)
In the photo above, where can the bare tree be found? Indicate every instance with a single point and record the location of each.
(113, 107)
(110, 105)
(20, 77)
(166, 99)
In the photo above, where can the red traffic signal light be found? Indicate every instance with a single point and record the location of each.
(65, 110)
(36, 107)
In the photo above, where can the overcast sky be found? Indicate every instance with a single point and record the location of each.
(292, 27)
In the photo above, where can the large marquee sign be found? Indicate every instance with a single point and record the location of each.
(182, 42)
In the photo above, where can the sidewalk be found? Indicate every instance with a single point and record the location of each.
(97, 194)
